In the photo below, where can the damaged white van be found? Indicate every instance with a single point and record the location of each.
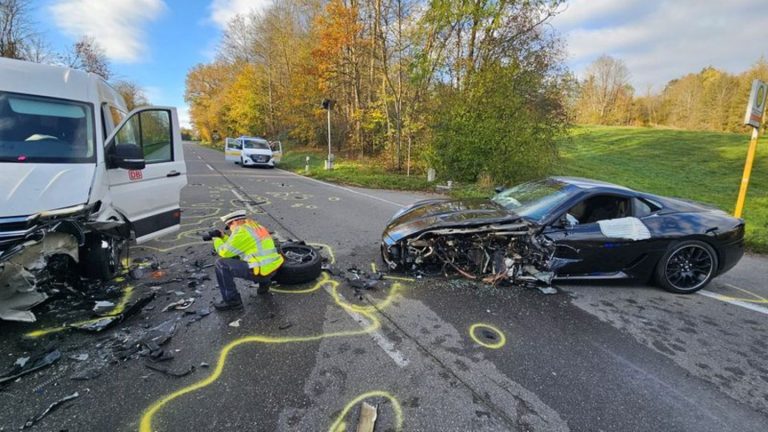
(79, 178)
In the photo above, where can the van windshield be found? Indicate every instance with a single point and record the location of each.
(47, 130)
(258, 145)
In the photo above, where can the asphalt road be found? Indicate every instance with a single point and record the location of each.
(590, 358)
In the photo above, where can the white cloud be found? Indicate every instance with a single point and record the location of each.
(222, 11)
(660, 41)
(116, 25)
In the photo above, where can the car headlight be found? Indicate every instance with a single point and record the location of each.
(66, 211)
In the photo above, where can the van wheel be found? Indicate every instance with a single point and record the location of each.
(302, 264)
(100, 257)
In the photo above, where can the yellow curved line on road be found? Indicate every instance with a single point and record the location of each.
(756, 297)
(375, 324)
(340, 425)
(323, 278)
(328, 248)
(502, 339)
(168, 249)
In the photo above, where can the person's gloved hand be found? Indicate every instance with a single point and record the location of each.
(212, 234)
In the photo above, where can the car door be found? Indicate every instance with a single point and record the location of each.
(277, 151)
(589, 249)
(232, 150)
(149, 198)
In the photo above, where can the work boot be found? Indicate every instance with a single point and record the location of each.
(263, 289)
(231, 305)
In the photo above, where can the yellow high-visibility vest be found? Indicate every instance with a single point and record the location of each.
(252, 243)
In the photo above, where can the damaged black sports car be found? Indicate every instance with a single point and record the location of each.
(567, 228)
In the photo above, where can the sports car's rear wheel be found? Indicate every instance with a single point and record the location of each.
(687, 267)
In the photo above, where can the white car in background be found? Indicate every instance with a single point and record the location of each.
(80, 177)
(253, 151)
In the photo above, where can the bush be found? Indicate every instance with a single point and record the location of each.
(503, 125)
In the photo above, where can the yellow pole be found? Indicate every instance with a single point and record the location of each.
(747, 171)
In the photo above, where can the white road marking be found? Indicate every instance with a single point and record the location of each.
(387, 345)
(746, 305)
(347, 189)
(209, 167)
(246, 202)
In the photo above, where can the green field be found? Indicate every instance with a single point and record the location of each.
(702, 166)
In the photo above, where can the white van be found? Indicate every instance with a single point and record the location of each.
(253, 151)
(79, 178)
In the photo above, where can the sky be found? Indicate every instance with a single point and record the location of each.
(155, 42)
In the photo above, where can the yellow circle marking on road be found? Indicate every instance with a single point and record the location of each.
(340, 425)
(475, 327)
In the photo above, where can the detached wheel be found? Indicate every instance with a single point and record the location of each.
(302, 264)
(100, 257)
(686, 267)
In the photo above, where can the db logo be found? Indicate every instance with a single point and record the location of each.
(134, 175)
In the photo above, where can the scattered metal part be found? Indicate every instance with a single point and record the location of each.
(166, 371)
(109, 321)
(548, 290)
(180, 305)
(31, 365)
(52, 407)
(102, 307)
(235, 323)
(79, 357)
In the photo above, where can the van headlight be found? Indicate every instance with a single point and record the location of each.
(66, 211)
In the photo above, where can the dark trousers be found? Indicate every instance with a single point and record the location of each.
(227, 269)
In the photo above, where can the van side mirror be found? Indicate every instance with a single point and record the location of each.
(127, 156)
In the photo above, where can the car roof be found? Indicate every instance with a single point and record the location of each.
(587, 184)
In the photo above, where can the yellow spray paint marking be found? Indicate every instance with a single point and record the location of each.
(216, 211)
(168, 249)
(373, 267)
(399, 278)
(325, 247)
(755, 298)
(502, 339)
(118, 309)
(323, 280)
(375, 324)
(340, 425)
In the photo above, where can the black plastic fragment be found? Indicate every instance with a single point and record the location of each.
(51, 408)
(33, 364)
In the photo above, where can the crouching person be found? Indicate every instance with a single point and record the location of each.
(249, 253)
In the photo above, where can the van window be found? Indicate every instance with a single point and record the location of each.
(156, 136)
(257, 145)
(45, 130)
(150, 130)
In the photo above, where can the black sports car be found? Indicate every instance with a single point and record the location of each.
(567, 228)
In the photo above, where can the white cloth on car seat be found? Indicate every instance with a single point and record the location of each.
(630, 228)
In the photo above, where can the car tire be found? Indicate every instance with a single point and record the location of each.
(302, 264)
(100, 257)
(686, 267)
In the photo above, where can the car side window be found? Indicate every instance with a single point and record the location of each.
(644, 208)
(600, 207)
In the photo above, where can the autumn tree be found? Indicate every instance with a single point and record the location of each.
(132, 93)
(15, 28)
(605, 93)
(87, 55)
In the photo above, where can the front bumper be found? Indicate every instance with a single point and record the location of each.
(257, 160)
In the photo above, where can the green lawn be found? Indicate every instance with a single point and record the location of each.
(351, 172)
(703, 166)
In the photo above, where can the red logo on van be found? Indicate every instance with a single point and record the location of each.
(134, 175)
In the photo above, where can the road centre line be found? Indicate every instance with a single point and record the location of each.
(347, 189)
(385, 344)
(725, 299)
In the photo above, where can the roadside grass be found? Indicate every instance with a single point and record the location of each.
(350, 172)
(702, 166)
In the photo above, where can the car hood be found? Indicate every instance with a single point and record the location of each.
(443, 213)
(27, 189)
(249, 152)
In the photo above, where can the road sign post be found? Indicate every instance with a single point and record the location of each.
(754, 118)
(328, 105)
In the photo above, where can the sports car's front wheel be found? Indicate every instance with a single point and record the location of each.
(687, 267)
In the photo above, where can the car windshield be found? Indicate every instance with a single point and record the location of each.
(534, 200)
(258, 145)
(38, 129)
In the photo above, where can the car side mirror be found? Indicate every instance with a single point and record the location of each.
(127, 156)
(562, 222)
